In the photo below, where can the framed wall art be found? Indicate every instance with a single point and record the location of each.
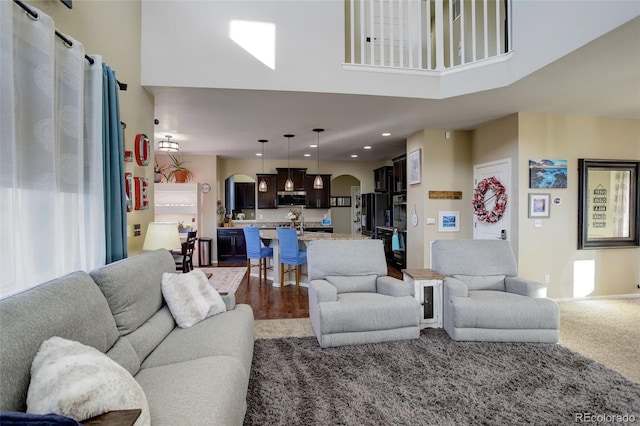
(539, 205)
(448, 221)
(547, 173)
(414, 167)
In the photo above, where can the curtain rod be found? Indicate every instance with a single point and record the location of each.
(33, 15)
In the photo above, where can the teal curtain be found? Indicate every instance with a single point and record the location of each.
(113, 170)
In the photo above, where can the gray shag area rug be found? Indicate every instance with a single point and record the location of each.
(431, 381)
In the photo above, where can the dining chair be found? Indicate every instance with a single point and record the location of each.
(290, 253)
(255, 250)
(184, 258)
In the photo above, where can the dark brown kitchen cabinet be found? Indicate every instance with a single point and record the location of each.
(267, 200)
(231, 245)
(400, 174)
(245, 195)
(318, 198)
(297, 176)
(383, 179)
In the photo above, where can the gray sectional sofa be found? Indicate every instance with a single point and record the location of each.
(193, 376)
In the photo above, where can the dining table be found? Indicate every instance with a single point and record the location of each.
(270, 239)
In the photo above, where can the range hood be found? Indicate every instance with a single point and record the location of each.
(303, 193)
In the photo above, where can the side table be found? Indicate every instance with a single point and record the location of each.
(427, 286)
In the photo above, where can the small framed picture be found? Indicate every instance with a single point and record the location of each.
(448, 221)
(414, 167)
(539, 205)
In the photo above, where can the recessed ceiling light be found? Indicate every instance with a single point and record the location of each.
(367, 147)
(354, 155)
(307, 155)
(386, 134)
(258, 154)
(313, 145)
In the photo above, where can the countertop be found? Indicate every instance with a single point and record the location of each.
(274, 225)
(271, 234)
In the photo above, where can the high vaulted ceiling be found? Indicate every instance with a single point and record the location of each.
(600, 79)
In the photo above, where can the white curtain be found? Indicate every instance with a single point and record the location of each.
(52, 214)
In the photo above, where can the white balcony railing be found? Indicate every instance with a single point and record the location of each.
(425, 35)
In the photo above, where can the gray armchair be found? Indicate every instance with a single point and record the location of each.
(351, 298)
(484, 300)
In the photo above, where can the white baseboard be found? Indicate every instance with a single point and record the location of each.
(614, 296)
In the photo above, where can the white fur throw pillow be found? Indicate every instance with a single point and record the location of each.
(190, 297)
(80, 382)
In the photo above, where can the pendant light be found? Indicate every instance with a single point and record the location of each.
(262, 187)
(168, 145)
(317, 182)
(288, 185)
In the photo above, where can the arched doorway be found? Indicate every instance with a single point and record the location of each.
(345, 216)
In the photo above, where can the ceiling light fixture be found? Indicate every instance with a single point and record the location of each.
(317, 182)
(168, 145)
(288, 185)
(262, 187)
(367, 147)
(386, 134)
(354, 155)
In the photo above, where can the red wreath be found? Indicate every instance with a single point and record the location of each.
(499, 193)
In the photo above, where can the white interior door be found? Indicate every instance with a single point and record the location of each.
(501, 169)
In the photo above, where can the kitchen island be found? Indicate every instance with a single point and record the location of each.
(270, 238)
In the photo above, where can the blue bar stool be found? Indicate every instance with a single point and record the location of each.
(290, 254)
(256, 251)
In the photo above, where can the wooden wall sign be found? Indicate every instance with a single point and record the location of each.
(142, 149)
(142, 184)
(445, 195)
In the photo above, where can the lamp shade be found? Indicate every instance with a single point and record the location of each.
(162, 235)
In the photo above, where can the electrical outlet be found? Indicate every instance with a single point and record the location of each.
(547, 278)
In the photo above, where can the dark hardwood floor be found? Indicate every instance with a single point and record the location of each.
(270, 302)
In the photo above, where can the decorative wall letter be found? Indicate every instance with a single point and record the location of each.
(142, 203)
(142, 149)
(128, 185)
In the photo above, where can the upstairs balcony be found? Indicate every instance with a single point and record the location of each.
(425, 36)
(429, 49)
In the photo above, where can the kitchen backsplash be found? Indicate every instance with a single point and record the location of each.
(279, 214)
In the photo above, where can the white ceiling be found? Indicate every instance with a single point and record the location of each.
(601, 79)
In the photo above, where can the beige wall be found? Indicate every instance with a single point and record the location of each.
(498, 140)
(552, 249)
(112, 29)
(445, 166)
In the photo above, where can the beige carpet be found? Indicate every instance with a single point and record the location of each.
(605, 330)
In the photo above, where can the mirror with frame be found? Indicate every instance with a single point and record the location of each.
(609, 207)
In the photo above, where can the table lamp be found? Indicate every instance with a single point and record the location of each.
(162, 235)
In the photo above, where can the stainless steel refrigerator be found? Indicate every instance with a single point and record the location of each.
(376, 211)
